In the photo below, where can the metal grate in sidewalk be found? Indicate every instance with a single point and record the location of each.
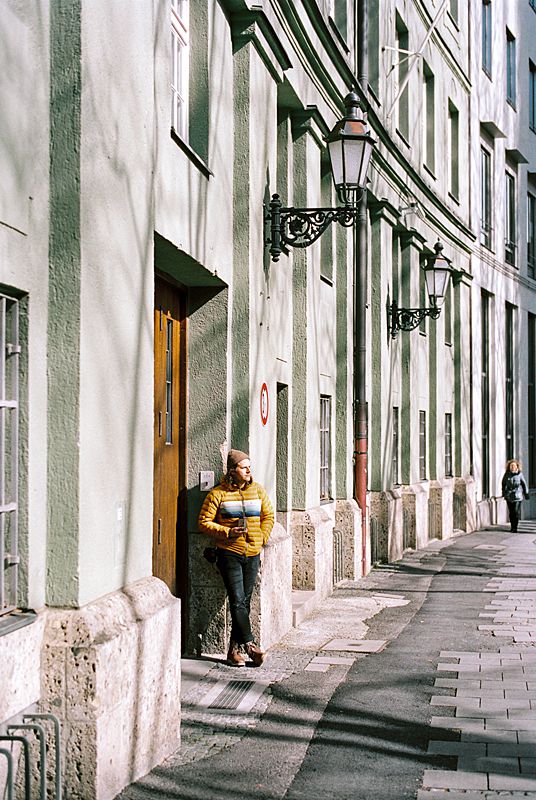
(233, 696)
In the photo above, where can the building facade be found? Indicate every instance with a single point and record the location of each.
(146, 329)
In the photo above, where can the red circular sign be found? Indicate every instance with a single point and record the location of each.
(264, 404)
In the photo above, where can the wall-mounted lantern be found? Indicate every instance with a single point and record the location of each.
(350, 148)
(437, 272)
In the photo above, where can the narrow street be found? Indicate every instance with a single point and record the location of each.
(434, 696)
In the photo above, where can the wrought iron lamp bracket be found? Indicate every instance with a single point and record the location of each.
(407, 319)
(300, 227)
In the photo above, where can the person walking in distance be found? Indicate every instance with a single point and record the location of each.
(514, 489)
(239, 515)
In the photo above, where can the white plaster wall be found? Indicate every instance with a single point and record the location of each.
(24, 193)
(117, 224)
(189, 210)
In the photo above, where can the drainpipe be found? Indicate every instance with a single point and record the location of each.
(360, 306)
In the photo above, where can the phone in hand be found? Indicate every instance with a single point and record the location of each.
(240, 527)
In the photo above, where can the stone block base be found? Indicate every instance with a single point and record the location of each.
(111, 673)
(312, 558)
(271, 611)
(347, 540)
(465, 516)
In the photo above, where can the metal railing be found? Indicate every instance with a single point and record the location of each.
(33, 728)
(338, 557)
(374, 541)
(407, 529)
(9, 453)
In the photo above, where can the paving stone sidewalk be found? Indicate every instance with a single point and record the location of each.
(493, 693)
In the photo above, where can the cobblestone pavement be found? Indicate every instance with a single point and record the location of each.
(493, 694)
(206, 731)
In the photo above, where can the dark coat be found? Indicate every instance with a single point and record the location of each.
(514, 486)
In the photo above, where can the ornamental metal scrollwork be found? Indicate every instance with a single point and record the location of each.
(300, 227)
(407, 319)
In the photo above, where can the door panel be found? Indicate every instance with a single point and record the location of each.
(169, 455)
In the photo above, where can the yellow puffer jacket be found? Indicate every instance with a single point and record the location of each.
(225, 504)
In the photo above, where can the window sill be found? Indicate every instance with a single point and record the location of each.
(429, 171)
(192, 155)
(14, 621)
(454, 21)
(403, 138)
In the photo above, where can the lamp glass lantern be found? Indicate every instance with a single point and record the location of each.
(350, 148)
(437, 272)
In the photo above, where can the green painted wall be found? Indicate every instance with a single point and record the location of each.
(376, 346)
(240, 297)
(64, 304)
(342, 456)
(299, 339)
(405, 364)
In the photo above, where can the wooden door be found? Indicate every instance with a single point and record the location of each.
(169, 534)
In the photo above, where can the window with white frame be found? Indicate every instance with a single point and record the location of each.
(532, 96)
(485, 197)
(325, 447)
(510, 68)
(338, 11)
(395, 472)
(485, 391)
(486, 36)
(453, 151)
(179, 67)
(402, 46)
(428, 120)
(9, 453)
(422, 445)
(510, 238)
(448, 445)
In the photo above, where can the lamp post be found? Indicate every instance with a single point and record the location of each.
(437, 272)
(350, 148)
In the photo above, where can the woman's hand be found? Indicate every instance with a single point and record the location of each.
(237, 528)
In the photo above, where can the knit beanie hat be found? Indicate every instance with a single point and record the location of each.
(234, 457)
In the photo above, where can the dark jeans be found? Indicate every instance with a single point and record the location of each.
(514, 511)
(239, 574)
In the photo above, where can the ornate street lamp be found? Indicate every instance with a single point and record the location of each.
(350, 148)
(437, 272)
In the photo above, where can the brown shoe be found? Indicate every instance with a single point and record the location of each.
(255, 653)
(234, 656)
